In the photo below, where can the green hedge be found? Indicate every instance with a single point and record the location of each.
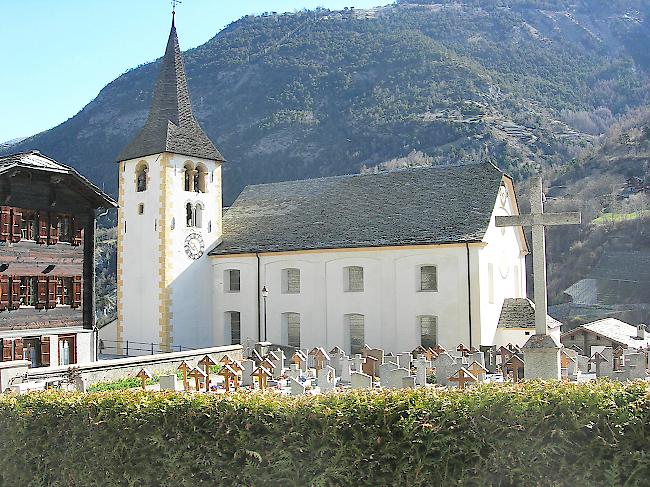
(533, 434)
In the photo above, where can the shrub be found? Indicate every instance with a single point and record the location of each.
(529, 434)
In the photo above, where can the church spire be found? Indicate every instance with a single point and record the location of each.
(171, 126)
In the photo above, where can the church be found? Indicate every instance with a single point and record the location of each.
(393, 260)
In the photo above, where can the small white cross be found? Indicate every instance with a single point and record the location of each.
(537, 219)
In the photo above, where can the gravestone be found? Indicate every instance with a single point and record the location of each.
(384, 371)
(346, 368)
(277, 359)
(247, 369)
(370, 366)
(607, 366)
(326, 378)
(404, 360)
(296, 387)
(359, 380)
(634, 368)
(489, 357)
(445, 366)
(170, 383)
(358, 362)
(376, 353)
(394, 378)
(421, 367)
(293, 371)
(408, 382)
(390, 357)
(80, 384)
(335, 360)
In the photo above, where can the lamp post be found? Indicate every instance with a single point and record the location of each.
(265, 294)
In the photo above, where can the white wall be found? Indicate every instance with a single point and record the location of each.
(391, 300)
(503, 260)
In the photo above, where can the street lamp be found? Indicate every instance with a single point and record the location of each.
(265, 294)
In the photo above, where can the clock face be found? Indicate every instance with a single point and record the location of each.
(194, 246)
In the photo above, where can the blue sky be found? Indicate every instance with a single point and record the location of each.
(58, 54)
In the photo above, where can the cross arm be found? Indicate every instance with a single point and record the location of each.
(546, 219)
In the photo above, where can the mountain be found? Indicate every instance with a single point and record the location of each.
(314, 93)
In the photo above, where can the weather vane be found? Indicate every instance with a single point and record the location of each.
(174, 3)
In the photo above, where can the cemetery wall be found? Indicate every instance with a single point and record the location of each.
(529, 434)
(103, 370)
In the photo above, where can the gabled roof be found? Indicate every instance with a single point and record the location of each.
(615, 330)
(171, 126)
(520, 313)
(418, 206)
(35, 161)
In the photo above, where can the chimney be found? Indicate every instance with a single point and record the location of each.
(640, 331)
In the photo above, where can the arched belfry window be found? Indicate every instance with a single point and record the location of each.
(189, 215)
(188, 176)
(198, 215)
(199, 179)
(141, 177)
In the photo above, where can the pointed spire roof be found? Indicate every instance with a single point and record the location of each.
(171, 126)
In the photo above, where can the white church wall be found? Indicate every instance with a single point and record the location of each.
(502, 271)
(390, 302)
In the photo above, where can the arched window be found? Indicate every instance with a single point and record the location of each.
(198, 215)
(292, 322)
(428, 331)
(188, 172)
(189, 215)
(199, 179)
(141, 177)
(233, 327)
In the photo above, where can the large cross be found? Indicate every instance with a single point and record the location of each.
(537, 219)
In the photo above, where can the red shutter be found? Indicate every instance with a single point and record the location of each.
(18, 349)
(15, 292)
(16, 223)
(45, 351)
(42, 227)
(41, 292)
(51, 292)
(77, 232)
(4, 292)
(54, 235)
(5, 223)
(7, 352)
(76, 291)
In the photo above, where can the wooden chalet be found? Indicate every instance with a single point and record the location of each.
(47, 223)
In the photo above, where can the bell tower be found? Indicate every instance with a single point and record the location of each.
(169, 217)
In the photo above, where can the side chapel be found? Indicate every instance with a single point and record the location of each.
(394, 260)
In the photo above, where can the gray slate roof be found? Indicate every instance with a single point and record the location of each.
(615, 330)
(36, 161)
(171, 126)
(520, 313)
(623, 266)
(417, 206)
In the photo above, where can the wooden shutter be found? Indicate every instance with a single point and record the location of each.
(5, 223)
(77, 232)
(54, 232)
(18, 349)
(43, 226)
(45, 351)
(76, 291)
(16, 223)
(51, 292)
(4, 292)
(41, 292)
(7, 352)
(15, 292)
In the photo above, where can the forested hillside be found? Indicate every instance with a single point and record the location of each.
(526, 83)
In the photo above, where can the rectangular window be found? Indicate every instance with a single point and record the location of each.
(293, 330)
(235, 327)
(428, 278)
(291, 281)
(233, 280)
(357, 335)
(355, 279)
(428, 331)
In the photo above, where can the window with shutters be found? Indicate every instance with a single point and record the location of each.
(15, 297)
(43, 227)
(5, 223)
(232, 281)
(16, 224)
(28, 291)
(353, 279)
(234, 321)
(76, 292)
(428, 331)
(45, 351)
(428, 278)
(4, 292)
(29, 228)
(356, 332)
(52, 284)
(7, 350)
(64, 228)
(291, 281)
(41, 292)
(53, 236)
(293, 329)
